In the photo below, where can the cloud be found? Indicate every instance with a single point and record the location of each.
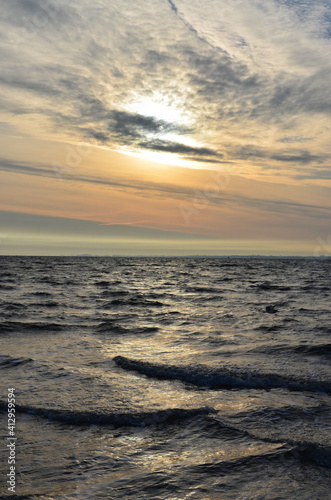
(130, 126)
(177, 148)
(296, 156)
(317, 174)
(294, 139)
(251, 29)
(235, 73)
(303, 157)
(38, 87)
(25, 168)
(259, 203)
(90, 229)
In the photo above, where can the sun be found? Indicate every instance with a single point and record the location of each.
(159, 107)
(156, 157)
(166, 109)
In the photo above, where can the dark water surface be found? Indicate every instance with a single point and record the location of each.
(167, 378)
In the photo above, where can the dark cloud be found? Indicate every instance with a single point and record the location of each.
(296, 95)
(288, 208)
(23, 7)
(304, 158)
(301, 157)
(290, 140)
(205, 160)
(132, 125)
(35, 86)
(322, 174)
(94, 134)
(25, 168)
(224, 198)
(218, 78)
(66, 173)
(33, 17)
(194, 31)
(173, 6)
(182, 149)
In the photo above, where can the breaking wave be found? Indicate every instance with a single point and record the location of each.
(135, 419)
(222, 378)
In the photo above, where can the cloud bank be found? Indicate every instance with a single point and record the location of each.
(198, 81)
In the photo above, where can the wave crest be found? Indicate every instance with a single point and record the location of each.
(221, 378)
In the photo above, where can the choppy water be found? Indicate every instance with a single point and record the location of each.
(166, 378)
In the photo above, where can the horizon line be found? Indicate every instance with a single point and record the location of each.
(179, 256)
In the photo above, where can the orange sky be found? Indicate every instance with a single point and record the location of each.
(176, 140)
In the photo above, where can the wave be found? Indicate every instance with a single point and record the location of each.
(7, 287)
(322, 349)
(9, 280)
(48, 280)
(33, 496)
(18, 326)
(135, 302)
(223, 378)
(266, 285)
(269, 329)
(102, 283)
(12, 306)
(311, 452)
(270, 415)
(9, 362)
(313, 288)
(308, 350)
(114, 293)
(111, 327)
(7, 275)
(203, 289)
(133, 419)
(285, 455)
(45, 304)
(209, 298)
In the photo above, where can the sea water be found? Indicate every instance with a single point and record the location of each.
(167, 378)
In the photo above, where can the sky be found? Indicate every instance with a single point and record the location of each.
(165, 127)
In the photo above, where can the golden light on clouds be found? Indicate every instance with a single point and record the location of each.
(159, 107)
(110, 116)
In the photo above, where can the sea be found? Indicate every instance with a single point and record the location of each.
(166, 378)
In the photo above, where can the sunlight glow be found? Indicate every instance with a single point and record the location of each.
(163, 108)
(162, 158)
(160, 107)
